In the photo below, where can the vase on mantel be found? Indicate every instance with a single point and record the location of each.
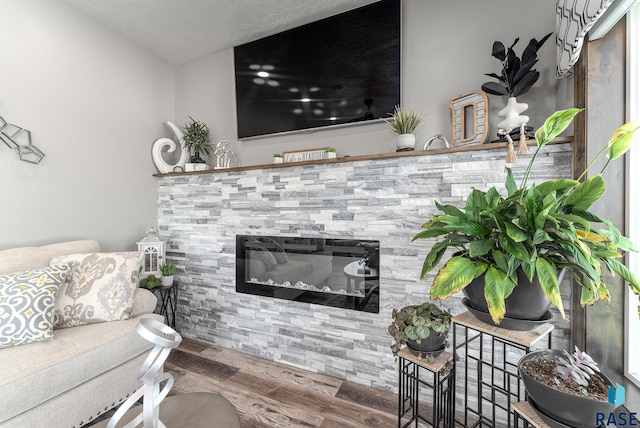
(511, 115)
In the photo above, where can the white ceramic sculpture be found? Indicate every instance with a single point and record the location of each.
(161, 143)
(223, 154)
(512, 118)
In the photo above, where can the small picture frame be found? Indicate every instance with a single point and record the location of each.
(305, 155)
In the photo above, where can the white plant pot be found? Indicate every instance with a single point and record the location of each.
(511, 116)
(166, 281)
(405, 141)
(278, 160)
(331, 155)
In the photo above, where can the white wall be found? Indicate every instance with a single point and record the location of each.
(446, 51)
(94, 103)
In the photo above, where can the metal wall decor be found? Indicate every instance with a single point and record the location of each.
(19, 139)
(479, 105)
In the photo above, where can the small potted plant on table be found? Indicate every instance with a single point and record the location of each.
(277, 158)
(167, 271)
(422, 328)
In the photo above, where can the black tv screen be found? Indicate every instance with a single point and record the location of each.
(339, 70)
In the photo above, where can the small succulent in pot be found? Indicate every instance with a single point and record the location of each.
(578, 367)
(568, 389)
(418, 322)
(330, 150)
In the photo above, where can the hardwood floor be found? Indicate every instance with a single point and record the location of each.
(268, 394)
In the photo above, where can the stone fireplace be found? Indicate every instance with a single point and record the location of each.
(385, 198)
(342, 273)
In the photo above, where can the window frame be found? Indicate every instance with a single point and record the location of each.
(632, 320)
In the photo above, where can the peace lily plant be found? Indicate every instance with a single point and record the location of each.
(540, 229)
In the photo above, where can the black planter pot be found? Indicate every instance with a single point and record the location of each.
(196, 159)
(568, 409)
(432, 345)
(526, 302)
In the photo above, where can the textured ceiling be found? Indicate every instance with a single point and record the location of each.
(182, 30)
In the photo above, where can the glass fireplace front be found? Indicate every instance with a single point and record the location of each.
(342, 273)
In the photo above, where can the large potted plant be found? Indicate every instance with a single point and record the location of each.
(519, 242)
(422, 328)
(568, 389)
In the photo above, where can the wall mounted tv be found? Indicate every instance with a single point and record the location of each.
(344, 69)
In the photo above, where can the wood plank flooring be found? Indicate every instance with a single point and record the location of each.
(268, 394)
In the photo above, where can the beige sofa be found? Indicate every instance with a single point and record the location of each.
(81, 373)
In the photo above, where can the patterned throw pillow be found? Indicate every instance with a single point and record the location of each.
(27, 303)
(100, 288)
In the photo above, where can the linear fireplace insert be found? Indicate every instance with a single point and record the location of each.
(342, 273)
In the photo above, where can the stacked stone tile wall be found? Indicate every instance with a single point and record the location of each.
(383, 199)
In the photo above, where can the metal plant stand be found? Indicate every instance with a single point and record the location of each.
(416, 376)
(487, 369)
(168, 300)
(530, 418)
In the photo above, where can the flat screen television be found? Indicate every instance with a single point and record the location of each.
(344, 69)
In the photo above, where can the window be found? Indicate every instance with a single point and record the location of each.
(632, 327)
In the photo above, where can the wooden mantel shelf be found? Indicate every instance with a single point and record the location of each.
(471, 148)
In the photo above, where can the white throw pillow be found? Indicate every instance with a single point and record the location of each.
(100, 287)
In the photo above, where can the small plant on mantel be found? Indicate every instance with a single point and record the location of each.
(536, 229)
(405, 120)
(196, 140)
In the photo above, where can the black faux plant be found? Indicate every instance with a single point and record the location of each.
(518, 75)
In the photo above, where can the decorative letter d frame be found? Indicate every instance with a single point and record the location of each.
(460, 115)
